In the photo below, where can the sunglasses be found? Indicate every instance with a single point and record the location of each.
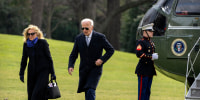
(85, 28)
(150, 30)
(30, 34)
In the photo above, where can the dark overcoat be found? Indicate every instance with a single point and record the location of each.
(144, 50)
(42, 57)
(39, 66)
(89, 73)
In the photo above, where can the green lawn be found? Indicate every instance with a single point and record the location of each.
(118, 81)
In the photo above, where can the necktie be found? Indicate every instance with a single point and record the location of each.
(87, 40)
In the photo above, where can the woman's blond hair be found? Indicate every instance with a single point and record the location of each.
(37, 31)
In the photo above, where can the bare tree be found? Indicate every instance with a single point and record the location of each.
(113, 18)
(84, 8)
(37, 12)
(51, 7)
(113, 27)
(122, 9)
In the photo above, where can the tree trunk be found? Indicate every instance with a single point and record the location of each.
(113, 27)
(37, 12)
(120, 10)
(84, 9)
(89, 9)
(48, 27)
(49, 13)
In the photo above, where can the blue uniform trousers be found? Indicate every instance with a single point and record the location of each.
(90, 94)
(144, 87)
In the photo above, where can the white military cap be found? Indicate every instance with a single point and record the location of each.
(148, 27)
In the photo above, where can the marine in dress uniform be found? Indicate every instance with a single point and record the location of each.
(145, 70)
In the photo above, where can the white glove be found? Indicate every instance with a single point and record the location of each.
(154, 56)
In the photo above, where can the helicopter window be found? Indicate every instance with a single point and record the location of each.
(167, 6)
(159, 25)
(188, 7)
(159, 20)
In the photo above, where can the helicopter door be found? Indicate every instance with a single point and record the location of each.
(183, 28)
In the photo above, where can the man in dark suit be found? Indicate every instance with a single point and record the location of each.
(90, 45)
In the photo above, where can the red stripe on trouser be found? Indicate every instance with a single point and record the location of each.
(140, 88)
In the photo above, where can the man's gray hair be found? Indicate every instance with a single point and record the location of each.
(86, 20)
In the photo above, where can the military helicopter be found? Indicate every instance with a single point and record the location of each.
(177, 31)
